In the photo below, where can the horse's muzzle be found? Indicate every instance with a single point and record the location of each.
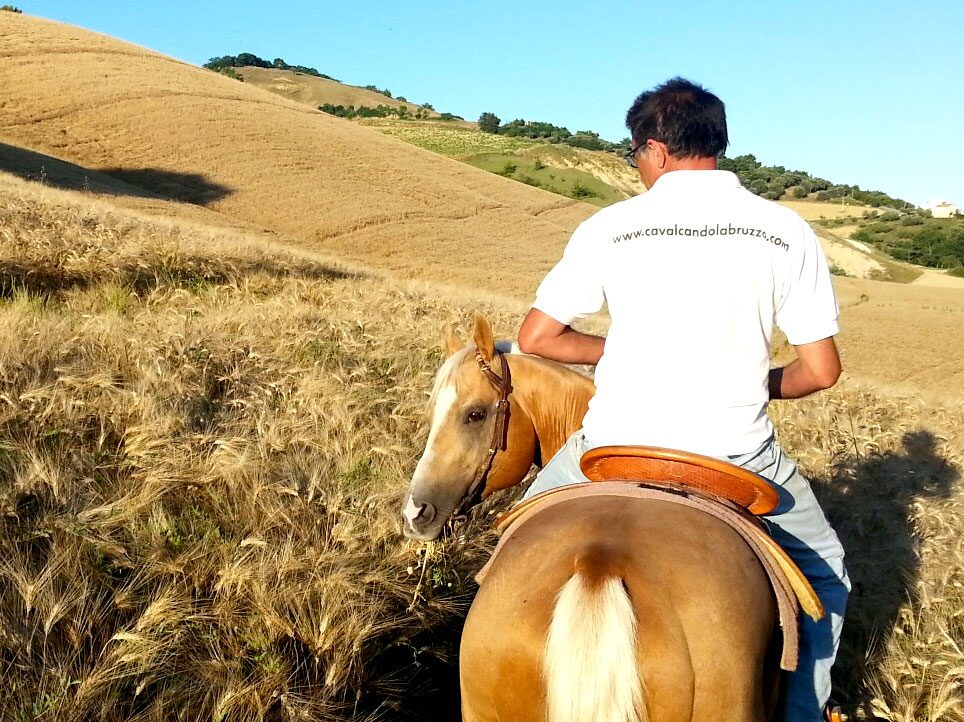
(418, 518)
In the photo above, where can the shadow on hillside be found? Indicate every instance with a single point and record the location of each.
(133, 182)
(184, 187)
(147, 275)
(868, 500)
(47, 170)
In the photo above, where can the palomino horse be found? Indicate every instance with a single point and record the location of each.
(598, 609)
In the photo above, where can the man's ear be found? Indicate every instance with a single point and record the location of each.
(482, 335)
(450, 340)
(662, 153)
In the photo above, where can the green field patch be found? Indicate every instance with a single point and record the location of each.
(449, 140)
(569, 182)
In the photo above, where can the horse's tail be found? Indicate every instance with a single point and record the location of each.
(591, 669)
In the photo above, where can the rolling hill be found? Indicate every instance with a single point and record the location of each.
(196, 136)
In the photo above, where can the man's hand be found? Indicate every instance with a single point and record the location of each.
(816, 367)
(544, 336)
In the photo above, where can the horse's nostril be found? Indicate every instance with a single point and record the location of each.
(418, 514)
(425, 514)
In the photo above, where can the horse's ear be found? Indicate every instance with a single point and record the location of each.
(451, 341)
(482, 335)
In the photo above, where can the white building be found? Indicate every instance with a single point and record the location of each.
(941, 209)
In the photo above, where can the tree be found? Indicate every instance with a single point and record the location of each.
(250, 59)
(489, 123)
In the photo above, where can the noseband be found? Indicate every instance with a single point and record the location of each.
(500, 436)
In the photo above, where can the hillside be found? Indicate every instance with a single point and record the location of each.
(604, 176)
(315, 91)
(323, 181)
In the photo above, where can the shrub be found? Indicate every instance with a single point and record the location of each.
(799, 192)
(584, 139)
(758, 186)
(956, 272)
(889, 216)
(578, 190)
(508, 169)
(538, 164)
(911, 221)
(11, 9)
(489, 123)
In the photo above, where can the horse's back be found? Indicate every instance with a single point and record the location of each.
(704, 610)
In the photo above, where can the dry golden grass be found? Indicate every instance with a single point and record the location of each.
(202, 445)
(201, 450)
(815, 210)
(904, 338)
(314, 91)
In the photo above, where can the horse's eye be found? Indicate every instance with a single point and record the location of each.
(475, 416)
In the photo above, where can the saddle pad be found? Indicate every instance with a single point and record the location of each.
(655, 464)
(791, 588)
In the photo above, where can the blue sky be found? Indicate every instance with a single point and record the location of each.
(860, 92)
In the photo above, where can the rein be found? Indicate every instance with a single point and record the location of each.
(500, 436)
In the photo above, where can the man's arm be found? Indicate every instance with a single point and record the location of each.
(816, 367)
(544, 336)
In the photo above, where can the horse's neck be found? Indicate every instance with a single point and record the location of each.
(554, 397)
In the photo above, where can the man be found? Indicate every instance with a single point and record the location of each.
(695, 273)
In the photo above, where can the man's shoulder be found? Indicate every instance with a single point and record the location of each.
(615, 215)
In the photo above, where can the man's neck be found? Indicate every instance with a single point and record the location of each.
(690, 164)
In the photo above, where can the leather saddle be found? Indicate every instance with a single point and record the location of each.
(674, 469)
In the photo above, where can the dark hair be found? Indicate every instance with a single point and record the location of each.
(689, 119)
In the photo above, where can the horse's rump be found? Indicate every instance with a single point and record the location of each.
(790, 587)
(702, 603)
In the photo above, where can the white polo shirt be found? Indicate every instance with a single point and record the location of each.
(695, 273)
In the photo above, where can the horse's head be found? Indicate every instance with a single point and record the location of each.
(464, 418)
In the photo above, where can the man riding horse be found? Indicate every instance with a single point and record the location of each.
(695, 272)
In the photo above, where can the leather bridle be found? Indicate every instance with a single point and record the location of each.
(500, 435)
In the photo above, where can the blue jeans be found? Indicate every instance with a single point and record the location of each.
(798, 524)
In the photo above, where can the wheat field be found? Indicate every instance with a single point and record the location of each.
(204, 443)
(208, 415)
